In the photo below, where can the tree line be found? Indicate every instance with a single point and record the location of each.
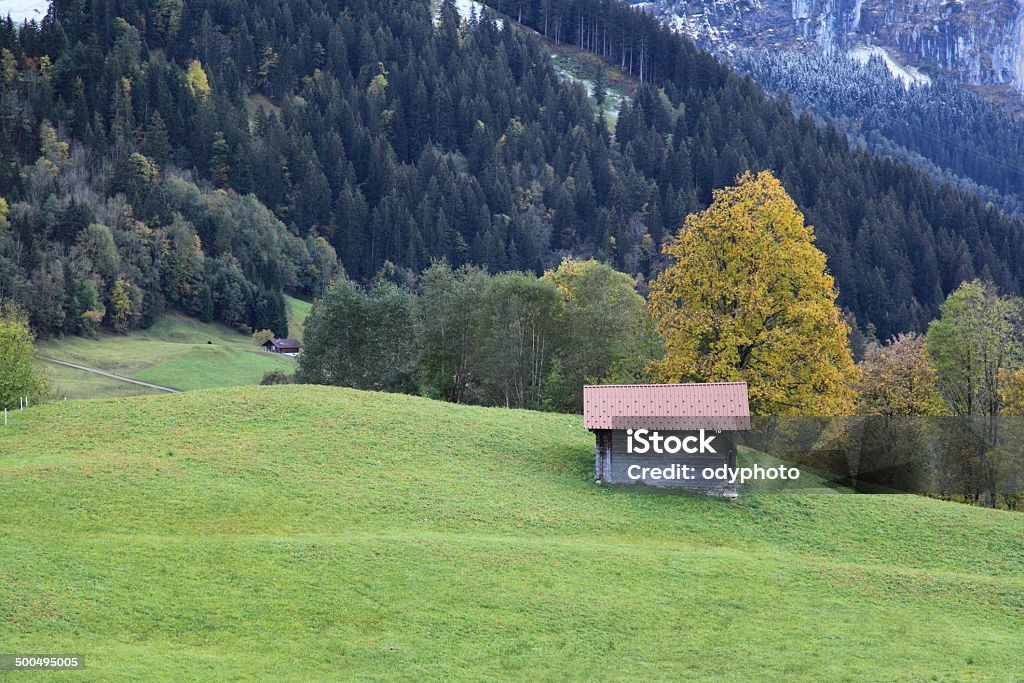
(962, 387)
(510, 339)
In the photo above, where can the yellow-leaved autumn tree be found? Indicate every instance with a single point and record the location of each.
(197, 81)
(749, 298)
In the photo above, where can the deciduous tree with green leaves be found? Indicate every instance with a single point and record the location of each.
(19, 374)
(610, 336)
(451, 333)
(523, 324)
(261, 337)
(977, 336)
(974, 346)
(365, 340)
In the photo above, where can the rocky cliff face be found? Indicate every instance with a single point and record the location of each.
(979, 42)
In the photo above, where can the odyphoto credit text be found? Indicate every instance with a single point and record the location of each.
(643, 441)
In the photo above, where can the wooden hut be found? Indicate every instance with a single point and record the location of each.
(668, 435)
(287, 346)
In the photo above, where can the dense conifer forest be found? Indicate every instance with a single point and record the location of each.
(208, 155)
(941, 127)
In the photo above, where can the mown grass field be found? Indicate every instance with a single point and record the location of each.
(76, 384)
(302, 533)
(177, 352)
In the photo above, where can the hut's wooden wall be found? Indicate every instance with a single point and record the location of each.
(612, 460)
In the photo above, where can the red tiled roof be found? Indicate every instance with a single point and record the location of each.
(718, 405)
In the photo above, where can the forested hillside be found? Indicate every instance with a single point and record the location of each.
(189, 153)
(940, 127)
(897, 242)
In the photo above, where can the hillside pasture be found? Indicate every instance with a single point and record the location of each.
(302, 533)
(177, 351)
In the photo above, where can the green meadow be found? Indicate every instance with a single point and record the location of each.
(299, 533)
(76, 384)
(177, 352)
(298, 310)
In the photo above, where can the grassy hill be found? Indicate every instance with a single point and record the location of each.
(305, 533)
(177, 351)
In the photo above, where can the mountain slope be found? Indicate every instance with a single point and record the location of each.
(976, 42)
(897, 243)
(307, 533)
(944, 128)
(235, 152)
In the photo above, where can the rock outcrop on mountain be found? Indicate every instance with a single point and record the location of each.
(979, 42)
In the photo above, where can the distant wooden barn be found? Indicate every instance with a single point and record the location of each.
(289, 346)
(621, 416)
